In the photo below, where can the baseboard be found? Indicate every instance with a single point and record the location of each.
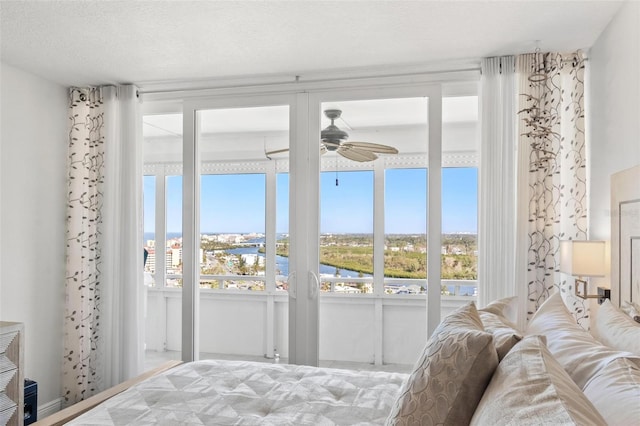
(49, 408)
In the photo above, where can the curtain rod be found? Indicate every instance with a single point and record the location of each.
(564, 61)
(297, 80)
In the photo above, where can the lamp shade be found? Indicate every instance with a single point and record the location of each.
(582, 258)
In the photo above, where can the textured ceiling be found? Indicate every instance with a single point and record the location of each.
(98, 42)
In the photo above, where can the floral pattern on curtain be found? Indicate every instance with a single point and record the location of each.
(552, 130)
(85, 167)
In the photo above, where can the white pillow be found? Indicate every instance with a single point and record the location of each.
(505, 333)
(615, 392)
(529, 387)
(573, 347)
(615, 329)
(507, 308)
(498, 318)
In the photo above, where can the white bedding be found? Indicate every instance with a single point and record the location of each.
(214, 392)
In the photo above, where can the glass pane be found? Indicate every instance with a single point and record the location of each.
(232, 226)
(405, 254)
(149, 226)
(346, 231)
(173, 248)
(460, 231)
(242, 315)
(460, 125)
(459, 199)
(282, 231)
(163, 306)
(163, 138)
(373, 226)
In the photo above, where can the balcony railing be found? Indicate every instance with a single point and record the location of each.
(354, 327)
(329, 284)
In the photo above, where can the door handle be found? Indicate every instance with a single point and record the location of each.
(314, 285)
(291, 281)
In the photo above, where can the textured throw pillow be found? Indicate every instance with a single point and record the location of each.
(505, 333)
(529, 387)
(451, 375)
(613, 328)
(506, 308)
(573, 347)
(615, 392)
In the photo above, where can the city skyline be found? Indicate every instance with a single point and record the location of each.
(345, 208)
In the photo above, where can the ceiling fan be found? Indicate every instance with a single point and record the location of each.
(334, 139)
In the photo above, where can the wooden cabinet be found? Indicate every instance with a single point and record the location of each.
(11, 373)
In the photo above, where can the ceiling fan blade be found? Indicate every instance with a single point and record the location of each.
(277, 151)
(330, 145)
(356, 154)
(323, 150)
(373, 147)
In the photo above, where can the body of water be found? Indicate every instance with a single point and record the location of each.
(282, 263)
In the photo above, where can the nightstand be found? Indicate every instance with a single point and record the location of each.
(11, 373)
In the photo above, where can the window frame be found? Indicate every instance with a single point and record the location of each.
(305, 106)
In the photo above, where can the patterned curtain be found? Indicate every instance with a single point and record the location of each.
(552, 143)
(104, 320)
(83, 265)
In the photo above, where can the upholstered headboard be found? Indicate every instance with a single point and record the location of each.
(625, 236)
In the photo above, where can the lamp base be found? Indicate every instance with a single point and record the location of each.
(584, 294)
(603, 293)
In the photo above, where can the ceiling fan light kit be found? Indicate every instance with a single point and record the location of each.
(332, 138)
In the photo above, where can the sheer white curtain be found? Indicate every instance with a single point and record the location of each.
(122, 235)
(103, 320)
(497, 216)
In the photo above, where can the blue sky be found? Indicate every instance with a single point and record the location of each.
(236, 203)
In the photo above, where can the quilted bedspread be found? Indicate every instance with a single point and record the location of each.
(214, 392)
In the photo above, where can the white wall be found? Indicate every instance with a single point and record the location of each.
(615, 111)
(32, 211)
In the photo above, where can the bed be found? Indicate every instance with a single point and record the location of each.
(477, 368)
(249, 393)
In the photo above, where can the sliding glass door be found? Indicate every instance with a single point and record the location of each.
(235, 214)
(375, 212)
(242, 293)
(271, 241)
(162, 221)
(312, 226)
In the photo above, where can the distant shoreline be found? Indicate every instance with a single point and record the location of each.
(405, 255)
(172, 235)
